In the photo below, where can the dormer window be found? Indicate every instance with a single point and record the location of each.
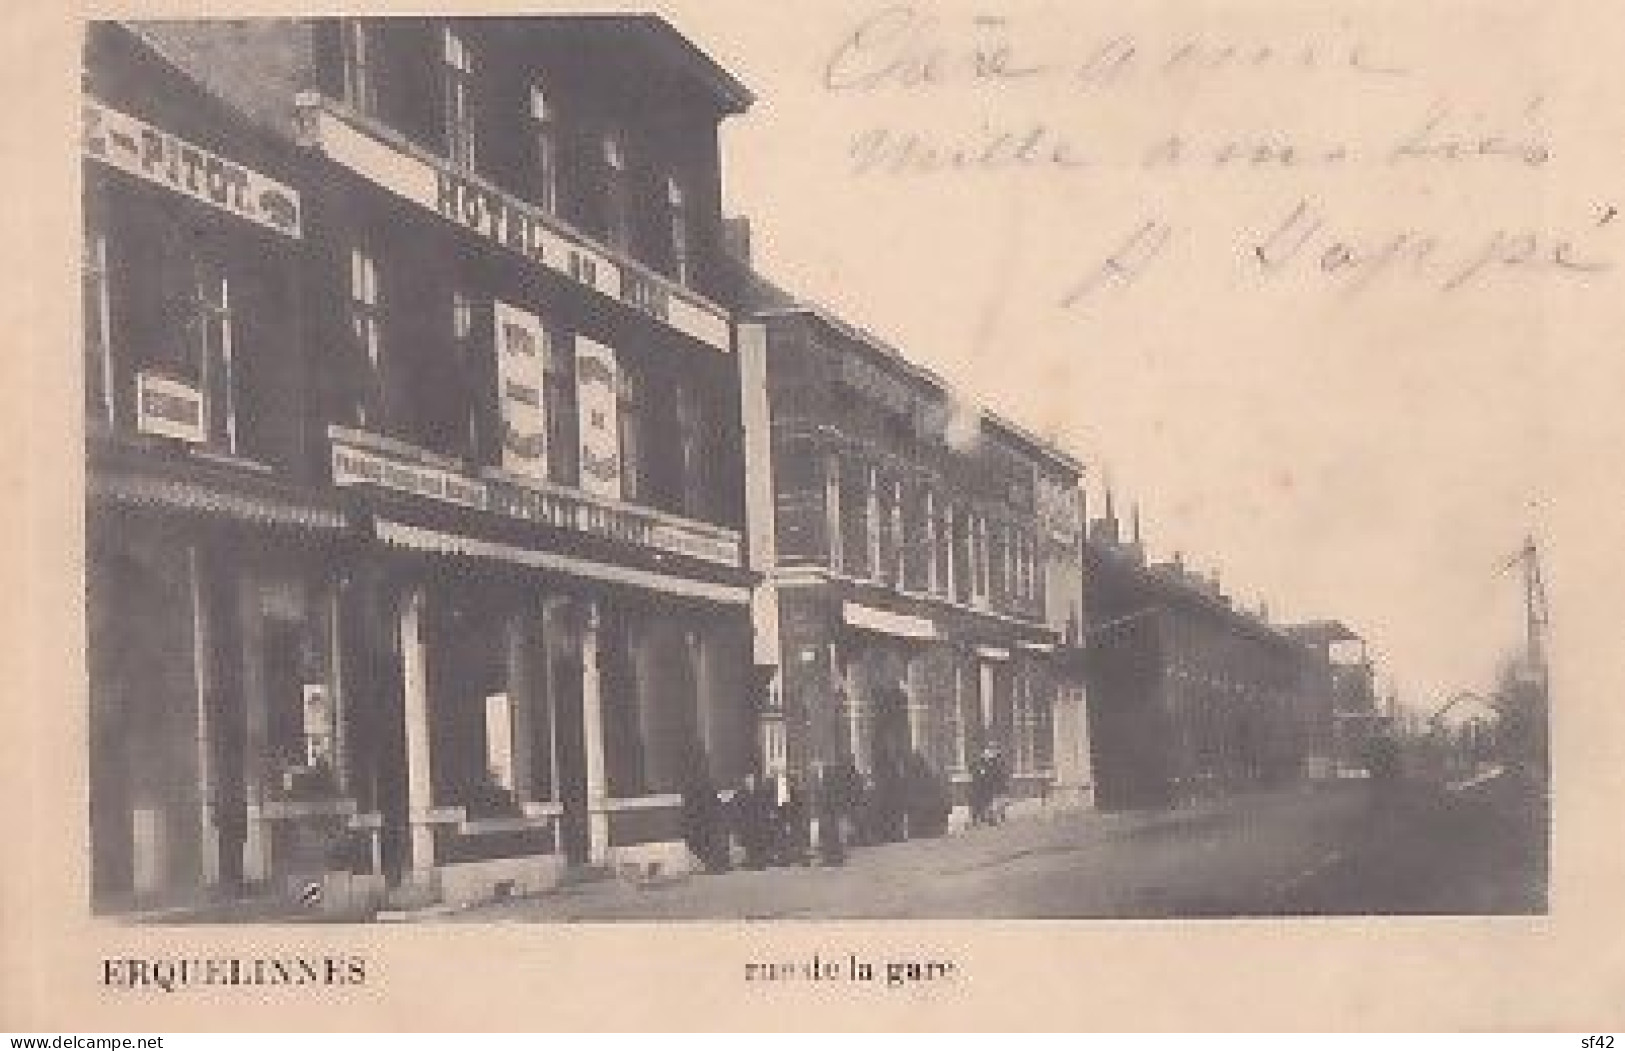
(458, 75)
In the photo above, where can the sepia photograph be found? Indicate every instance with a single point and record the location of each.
(865, 515)
(497, 511)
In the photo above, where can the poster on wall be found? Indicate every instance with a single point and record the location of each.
(600, 429)
(318, 725)
(521, 348)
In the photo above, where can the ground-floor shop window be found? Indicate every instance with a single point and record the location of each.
(289, 656)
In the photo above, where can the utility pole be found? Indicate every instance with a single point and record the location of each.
(1535, 612)
(1525, 701)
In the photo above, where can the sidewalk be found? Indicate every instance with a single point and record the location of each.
(875, 881)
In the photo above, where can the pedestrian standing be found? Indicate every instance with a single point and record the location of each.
(702, 820)
(793, 821)
(752, 822)
(831, 837)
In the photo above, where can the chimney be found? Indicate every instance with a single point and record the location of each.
(1105, 528)
(736, 237)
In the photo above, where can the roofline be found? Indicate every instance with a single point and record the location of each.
(1178, 585)
(1046, 449)
(729, 88)
(735, 97)
(1326, 631)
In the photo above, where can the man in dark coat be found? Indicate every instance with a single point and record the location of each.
(794, 822)
(702, 821)
(753, 819)
(828, 793)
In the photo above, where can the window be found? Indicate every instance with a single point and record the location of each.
(499, 758)
(916, 537)
(1022, 717)
(296, 689)
(98, 347)
(886, 539)
(962, 561)
(677, 222)
(465, 350)
(360, 81)
(617, 193)
(209, 326)
(366, 327)
(559, 409)
(691, 450)
(943, 556)
(979, 557)
(544, 161)
(1000, 559)
(458, 72)
(630, 416)
(877, 522)
(897, 561)
(855, 516)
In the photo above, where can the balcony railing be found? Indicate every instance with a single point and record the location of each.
(362, 458)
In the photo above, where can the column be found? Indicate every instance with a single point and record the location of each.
(647, 643)
(710, 710)
(521, 703)
(415, 683)
(203, 682)
(256, 860)
(552, 608)
(592, 726)
(338, 682)
(985, 686)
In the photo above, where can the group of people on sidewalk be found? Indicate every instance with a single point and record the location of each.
(772, 818)
(786, 820)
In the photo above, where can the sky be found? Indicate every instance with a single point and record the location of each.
(1324, 370)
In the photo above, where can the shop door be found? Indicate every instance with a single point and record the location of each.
(571, 759)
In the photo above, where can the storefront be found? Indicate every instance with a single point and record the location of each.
(912, 698)
(543, 680)
(219, 754)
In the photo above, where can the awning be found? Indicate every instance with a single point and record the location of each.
(882, 622)
(184, 495)
(417, 538)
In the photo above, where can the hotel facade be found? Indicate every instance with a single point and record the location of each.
(416, 497)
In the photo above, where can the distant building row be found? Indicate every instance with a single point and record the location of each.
(456, 492)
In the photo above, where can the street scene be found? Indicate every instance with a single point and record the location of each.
(1338, 850)
(479, 528)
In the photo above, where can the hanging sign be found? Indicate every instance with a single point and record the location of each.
(596, 380)
(521, 360)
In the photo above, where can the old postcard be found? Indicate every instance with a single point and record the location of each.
(919, 515)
